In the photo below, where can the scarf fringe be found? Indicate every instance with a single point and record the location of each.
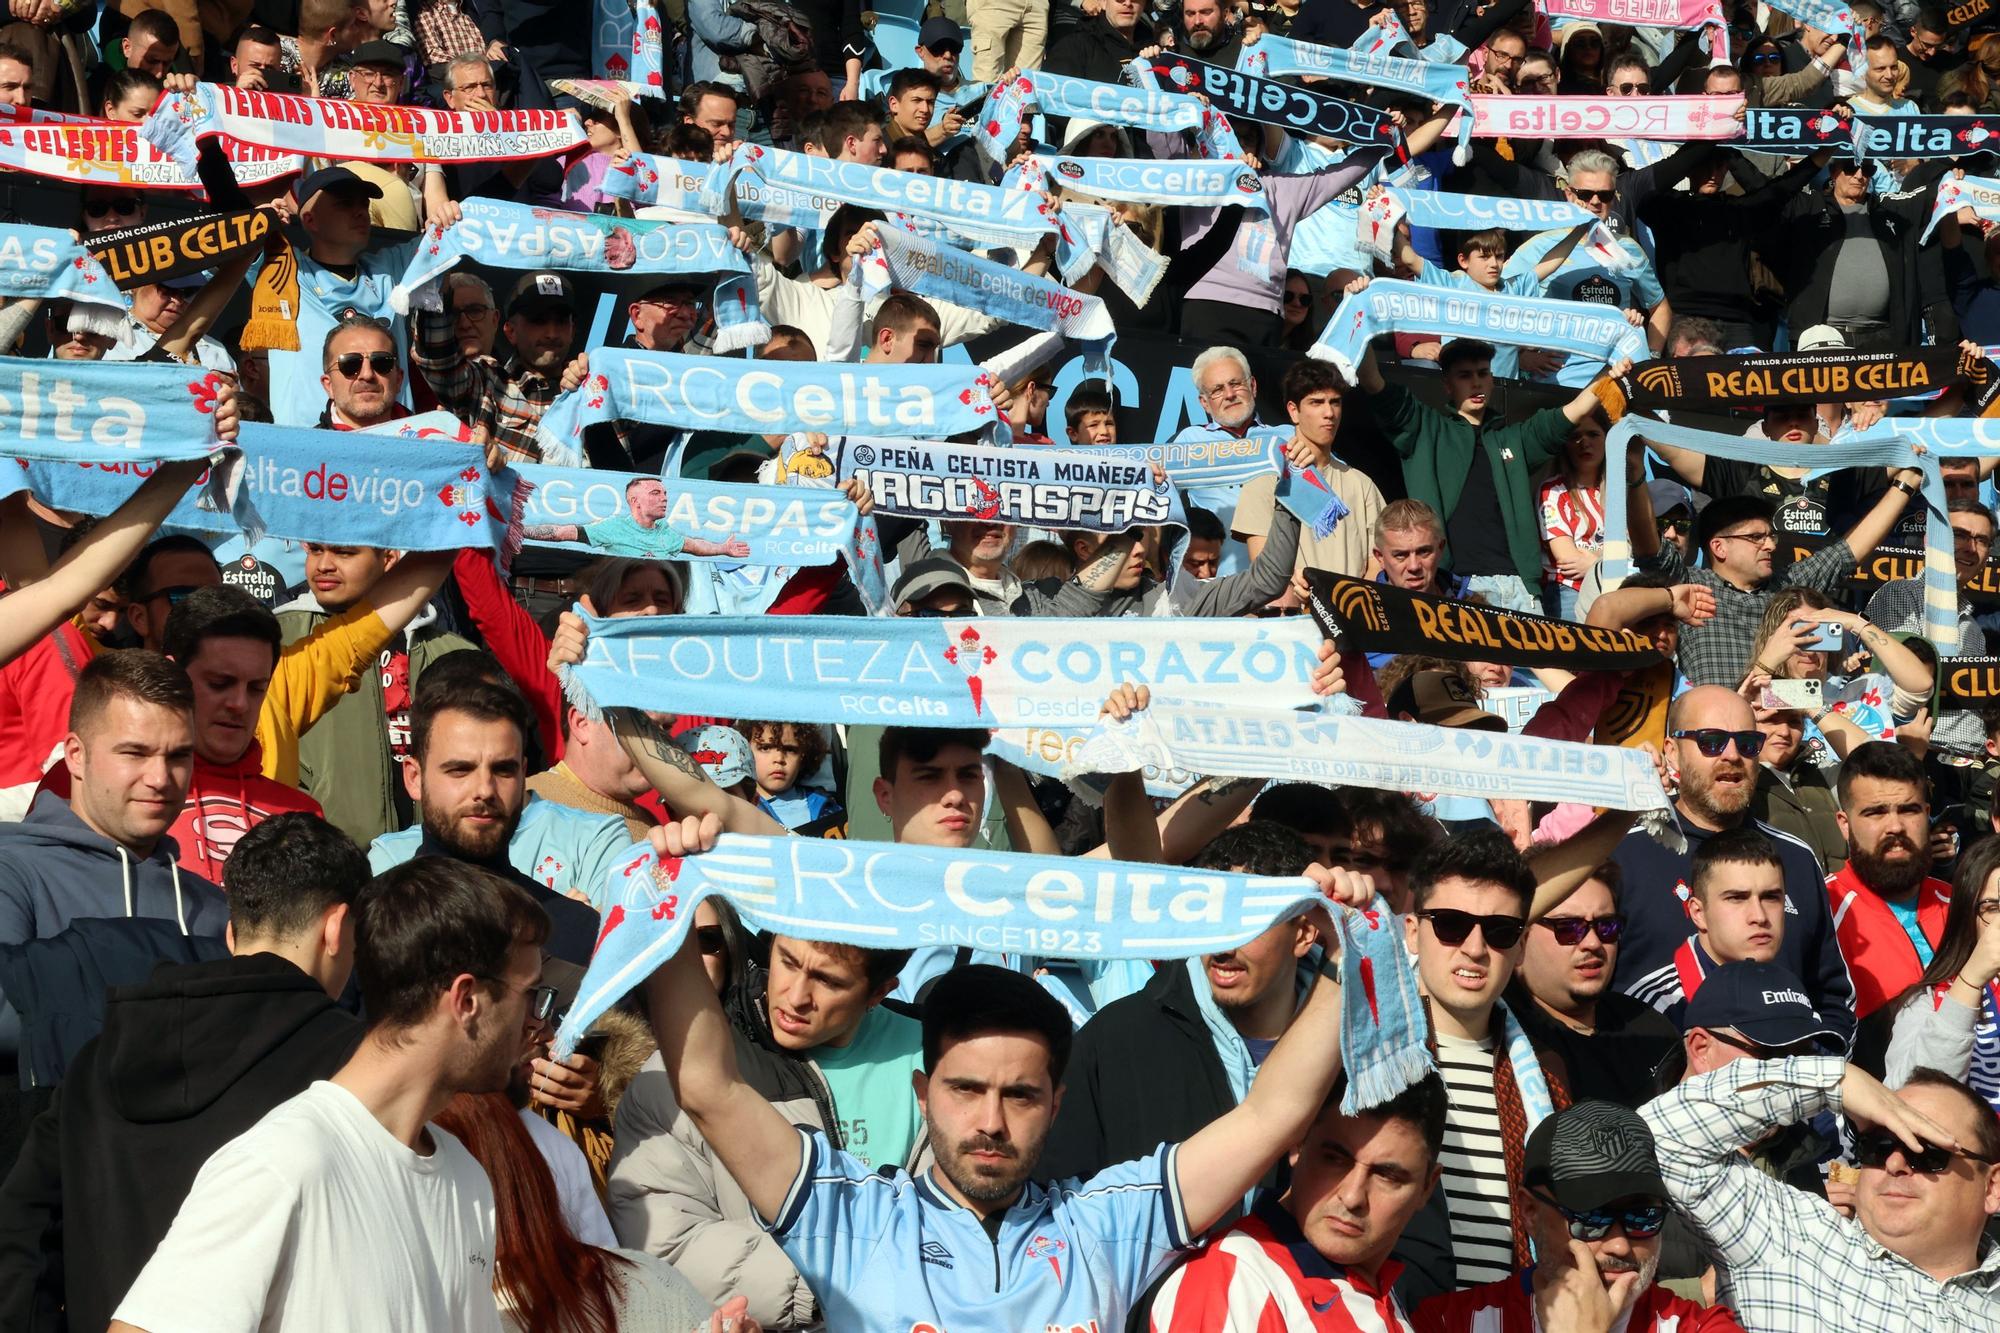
(1385, 1079)
(90, 317)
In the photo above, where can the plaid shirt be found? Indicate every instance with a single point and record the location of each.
(508, 400)
(445, 29)
(1786, 1262)
(1718, 651)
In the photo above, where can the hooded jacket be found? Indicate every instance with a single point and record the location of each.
(1096, 50)
(55, 868)
(186, 1062)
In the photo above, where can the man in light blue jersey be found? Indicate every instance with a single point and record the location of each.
(970, 1243)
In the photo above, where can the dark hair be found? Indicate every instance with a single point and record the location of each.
(1961, 920)
(842, 224)
(918, 77)
(22, 56)
(845, 120)
(979, 998)
(218, 612)
(285, 873)
(791, 333)
(692, 94)
(812, 741)
(915, 143)
(1255, 847)
(923, 744)
(134, 673)
(135, 582)
(477, 697)
(1308, 376)
(1885, 761)
(1612, 876)
(257, 35)
(1406, 830)
(120, 85)
(156, 24)
(1302, 807)
(1726, 511)
(420, 925)
(689, 142)
(879, 966)
(1422, 1104)
(1987, 1136)
(1627, 60)
(1463, 349)
(1084, 400)
(551, 1279)
(1492, 241)
(1931, 19)
(1203, 526)
(901, 311)
(1743, 846)
(1485, 855)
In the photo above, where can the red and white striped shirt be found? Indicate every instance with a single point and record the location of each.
(1260, 1276)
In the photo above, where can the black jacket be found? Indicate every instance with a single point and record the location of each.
(186, 1062)
(1143, 1072)
(1096, 50)
(1702, 242)
(1810, 235)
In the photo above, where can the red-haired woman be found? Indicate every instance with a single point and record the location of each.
(544, 1278)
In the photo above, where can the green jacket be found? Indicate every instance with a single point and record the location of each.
(1437, 449)
(344, 761)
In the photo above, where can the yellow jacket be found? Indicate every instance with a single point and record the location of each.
(312, 674)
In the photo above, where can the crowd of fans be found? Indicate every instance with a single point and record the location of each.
(304, 840)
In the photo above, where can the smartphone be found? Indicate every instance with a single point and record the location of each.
(1804, 695)
(1828, 639)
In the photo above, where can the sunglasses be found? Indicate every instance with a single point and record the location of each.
(1298, 298)
(175, 595)
(1712, 741)
(541, 999)
(1873, 1148)
(1631, 89)
(1639, 1220)
(1592, 196)
(933, 613)
(1454, 927)
(1572, 929)
(382, 363)
(100, 208)
(710, 940)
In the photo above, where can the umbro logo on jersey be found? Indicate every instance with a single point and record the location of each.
(934, 1252)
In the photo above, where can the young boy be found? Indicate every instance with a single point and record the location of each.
(1736, 903)
(784, 754)
(1090, 416)
(1482, 264)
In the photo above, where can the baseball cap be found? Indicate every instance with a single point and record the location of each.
(332, 178)
(379, 52)
(926, 577)
(1591, 1154)
(1765, 1002)
(721, 751)
(1672, 495)
(541, 288)
(1821, 337)
(939, 33)
(1443, 699)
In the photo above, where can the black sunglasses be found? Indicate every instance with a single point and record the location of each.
(1873, 1148)
(175, 595)
(1712, 741)
(1639, 1220)
(1572, 929)
(382, 363)
(1298, 298)
(99, 208)
(1590, 196)
(541, 999)
(1455, 927)
(933, 613)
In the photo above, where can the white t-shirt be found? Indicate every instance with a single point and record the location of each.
(581, 1207)
(317, 1218)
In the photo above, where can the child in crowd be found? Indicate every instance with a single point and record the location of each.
(784, 754)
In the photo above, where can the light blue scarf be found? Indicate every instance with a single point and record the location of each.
(920, 671)
(1887, 445)
(1828, 16)
(1383, 1034)
(1088, 236)
(1274, 57)
(983, 213)
(1187, 183)
(1480, 212)
(113, 413)
(910, 263)
(46, 264)
(1981, 194)
(653, 179)
(1388, 305)
(766, 398)
(783, 526)
(895, 896)
(515, 236)
(1061, 95)
(624, 47)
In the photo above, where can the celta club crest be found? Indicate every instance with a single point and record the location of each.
(205, 392)
(1050, 1248)
(1973, 135)
(598, 385)
(972, 655)
(988, 503)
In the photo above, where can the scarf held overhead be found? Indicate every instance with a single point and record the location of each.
(1268, 102)
(43, 263)
(1715, 383)
(920, 671)
(1383, 618)
(1553, 117)
(762, 398)
(650, 518)
(1189, 183)
(1021, 487)
(895, 896)
(156, 251)
(109, 152)
(1388, 305)
(1071, 98)
(106, 412)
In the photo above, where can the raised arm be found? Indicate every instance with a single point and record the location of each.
(1877, 523)
(1561, 870)
(755, 1144)
(200, 314)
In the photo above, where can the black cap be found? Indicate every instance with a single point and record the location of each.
(332, 178)
(542, 288)
(1763, 1001)
(379, 52)
(923, 578)
(940, 32)
(1592, 1154)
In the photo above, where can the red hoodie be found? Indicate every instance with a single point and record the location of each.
(224, 802)
(35, 693)
(1879, 954)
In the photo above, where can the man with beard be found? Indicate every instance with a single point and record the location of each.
(507, 400)
(1205, 33)
(1715, 747)
(1591, 1188)
(971, 1242)
(348, 1177)
(1888, 910)
(1227, 391)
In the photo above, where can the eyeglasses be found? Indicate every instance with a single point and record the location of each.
(936, 613)
(541, 999)
(100, 208)
(1872, 1150)
(470, 310)
(1988, 909)
(1227, 386)
(175, 595)
(1631, 89)
(382, 363)
(1572, 929)
(1712, 741)
(1766, 537)
(1454, 927)
(1639, 1220)
(1594, 196)
(1974, 538)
